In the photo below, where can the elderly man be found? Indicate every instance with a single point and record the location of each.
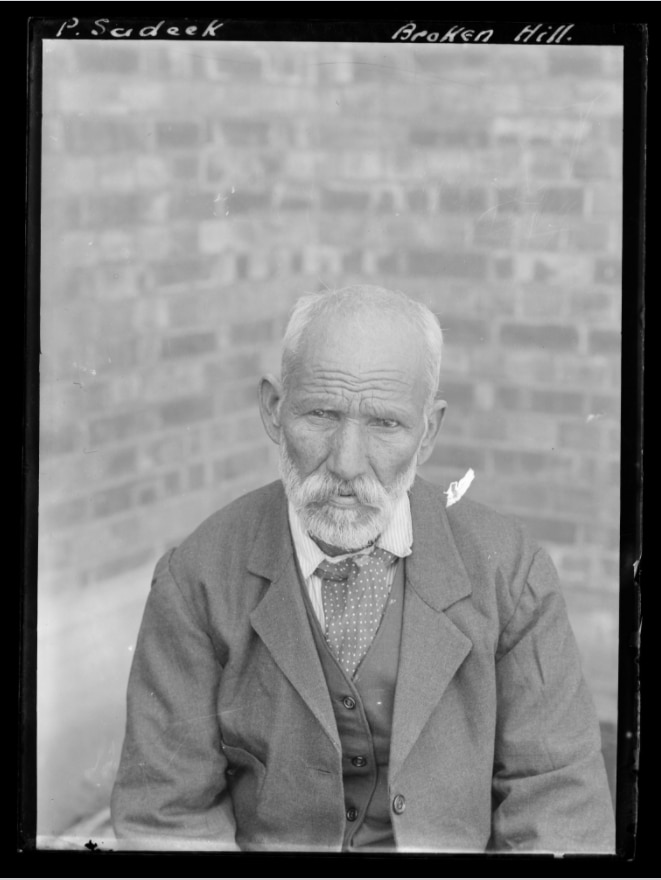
(338, 662)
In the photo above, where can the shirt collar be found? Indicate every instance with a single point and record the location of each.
(397, 537)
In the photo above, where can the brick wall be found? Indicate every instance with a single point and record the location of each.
(191, 192)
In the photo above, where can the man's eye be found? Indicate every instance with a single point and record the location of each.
(387, 423)
(322, 413)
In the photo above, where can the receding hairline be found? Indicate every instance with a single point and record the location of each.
(352, 302)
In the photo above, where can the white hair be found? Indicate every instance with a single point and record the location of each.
(350, 300)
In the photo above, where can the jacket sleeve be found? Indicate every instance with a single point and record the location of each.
(170, 791)
(550, 790)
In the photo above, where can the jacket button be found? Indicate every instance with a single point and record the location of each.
(359, 761)
(352, 814)
(349, 703)
(399, 803)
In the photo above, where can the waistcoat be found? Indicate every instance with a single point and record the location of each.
(363, 710)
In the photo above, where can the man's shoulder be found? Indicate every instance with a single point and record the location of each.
(472, 521)
(234, 526)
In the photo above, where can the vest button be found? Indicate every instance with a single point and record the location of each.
(349, 703)
(359, 761)
(352, 814)
(399, 803)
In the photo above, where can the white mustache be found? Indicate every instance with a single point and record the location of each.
(320, 488)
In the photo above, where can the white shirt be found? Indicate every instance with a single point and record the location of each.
(397, 538)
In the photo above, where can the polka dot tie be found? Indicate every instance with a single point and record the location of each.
(354, 593)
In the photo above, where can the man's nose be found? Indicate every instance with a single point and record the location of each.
(348, 456)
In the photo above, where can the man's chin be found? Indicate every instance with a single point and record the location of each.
(350, 529)
(344, 512)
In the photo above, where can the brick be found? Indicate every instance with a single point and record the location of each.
(192, 206)
(528, 496)
(593, 163)
(352, 262)
(107, 58)
(239, 463)
(446, 264)
(488, 426)
(605, 405)
(120, 462)
(57, 441)
(386, 202)
(111, 501)
(185, 167)
(460, 457)
(458, 394)
(463, 199)
(462, 138)
(555, 531)
(510, 200)
(586, 437)
(576, 563)
(252, 331)
(574, 62)
(605, 342)
(241, 266)
(118, 209)
(164, 450)
(186, 410)
(246, 132)
(121, 426)
(512, 462)
(493, 231)
(503, 268)
(592, 304)
(183, 271)
(188, 345)
(245, 201)
(115, 567)
(196, 476)
(606, 199)
(418, 200)
(589, 237)
(561, 200)
(578, 502)
(96, 135)
(239, 366)
(248, 69)
(552, 336)
(600, 535)
(177, 135)
(344, 200)
(64, 515)
(511, 398)
(607, 271)
(296, 203)
(560, 402)
(389, 264)
(237, 397)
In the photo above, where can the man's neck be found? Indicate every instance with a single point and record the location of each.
(329, 550)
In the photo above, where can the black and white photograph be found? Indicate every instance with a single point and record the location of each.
(329, 451)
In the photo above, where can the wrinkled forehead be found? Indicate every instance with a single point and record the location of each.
(364, 349)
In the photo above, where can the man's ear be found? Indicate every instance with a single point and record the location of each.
(270, 397)
(434, 420)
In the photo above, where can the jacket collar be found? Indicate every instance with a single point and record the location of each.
(435, 568)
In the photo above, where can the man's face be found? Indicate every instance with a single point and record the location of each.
(352, 424)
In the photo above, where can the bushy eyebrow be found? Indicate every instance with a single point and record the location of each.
(371, 407)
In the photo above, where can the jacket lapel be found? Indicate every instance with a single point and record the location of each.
(432, 647)
(280, 619)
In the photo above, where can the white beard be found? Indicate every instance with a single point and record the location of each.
(347, 529)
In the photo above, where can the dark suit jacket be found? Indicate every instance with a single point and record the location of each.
(231, 737)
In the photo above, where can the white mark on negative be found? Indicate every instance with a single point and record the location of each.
(459, 487)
